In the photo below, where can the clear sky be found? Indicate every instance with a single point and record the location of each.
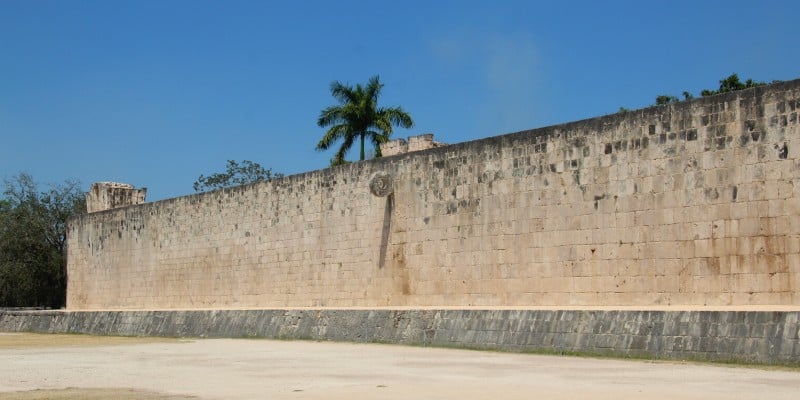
(155, 93)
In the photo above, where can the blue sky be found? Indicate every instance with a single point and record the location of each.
(155, 93)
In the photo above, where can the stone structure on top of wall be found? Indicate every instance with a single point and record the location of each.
(414, 143)
(109, 195)
(692, 203)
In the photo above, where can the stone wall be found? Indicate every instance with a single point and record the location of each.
(414, 143)
(109, 195)
(693, 203)
(753, 337)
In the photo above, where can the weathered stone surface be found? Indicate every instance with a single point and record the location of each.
(693, 203)
(766, 337)
(380, 184)
(414, 143)
(109, 195)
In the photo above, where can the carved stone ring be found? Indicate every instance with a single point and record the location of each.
(380, 184)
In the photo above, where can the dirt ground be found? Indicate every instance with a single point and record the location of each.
(89, 394)
(33, 340)
(67, 367)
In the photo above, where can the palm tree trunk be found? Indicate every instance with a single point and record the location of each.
(362, 147)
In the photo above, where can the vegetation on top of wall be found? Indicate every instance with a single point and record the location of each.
(358, 117)
(666, 99)
(730, 84)
(33, 241)
(235, 174)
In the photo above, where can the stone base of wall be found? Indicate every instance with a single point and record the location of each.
(763, 337)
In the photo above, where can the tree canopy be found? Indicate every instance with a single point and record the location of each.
(33, 237)
(729, 84)
(358, 117)
(235, 174)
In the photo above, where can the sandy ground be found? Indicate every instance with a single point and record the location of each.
(90, 394)
(171, 369)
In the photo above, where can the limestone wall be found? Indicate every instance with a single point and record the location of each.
(690, 203)
(108, 195)
(414, 143)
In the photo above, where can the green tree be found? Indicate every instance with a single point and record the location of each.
(731, 84)
(33, 241)
(358, 117)
(665, 99)
(235, 174)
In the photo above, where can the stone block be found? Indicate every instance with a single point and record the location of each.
(524, 207)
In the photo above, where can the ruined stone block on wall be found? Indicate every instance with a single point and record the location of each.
(414, 143)
(397, 146)
(109, 195)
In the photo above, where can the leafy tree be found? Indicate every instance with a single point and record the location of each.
(665, 99)
(33, 241)
(235, 174)
(358, 117)
(731, 84)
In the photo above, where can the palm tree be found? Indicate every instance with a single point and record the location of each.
(358, 117)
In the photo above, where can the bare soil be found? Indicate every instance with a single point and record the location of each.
(90, 394)
(37, 340)
(68, 367)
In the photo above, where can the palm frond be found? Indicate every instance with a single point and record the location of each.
(330, 115)
(373, 89)
(346, 145)
(383, 124)
(341, 92)
(377, 138)
(398, 116)
(334, 134)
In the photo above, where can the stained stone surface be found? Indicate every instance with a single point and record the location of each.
(692, 203)
(745, 336)
(380, 184)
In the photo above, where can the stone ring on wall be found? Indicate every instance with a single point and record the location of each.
(380, 184)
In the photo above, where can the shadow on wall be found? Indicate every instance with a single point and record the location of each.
(385, 231)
